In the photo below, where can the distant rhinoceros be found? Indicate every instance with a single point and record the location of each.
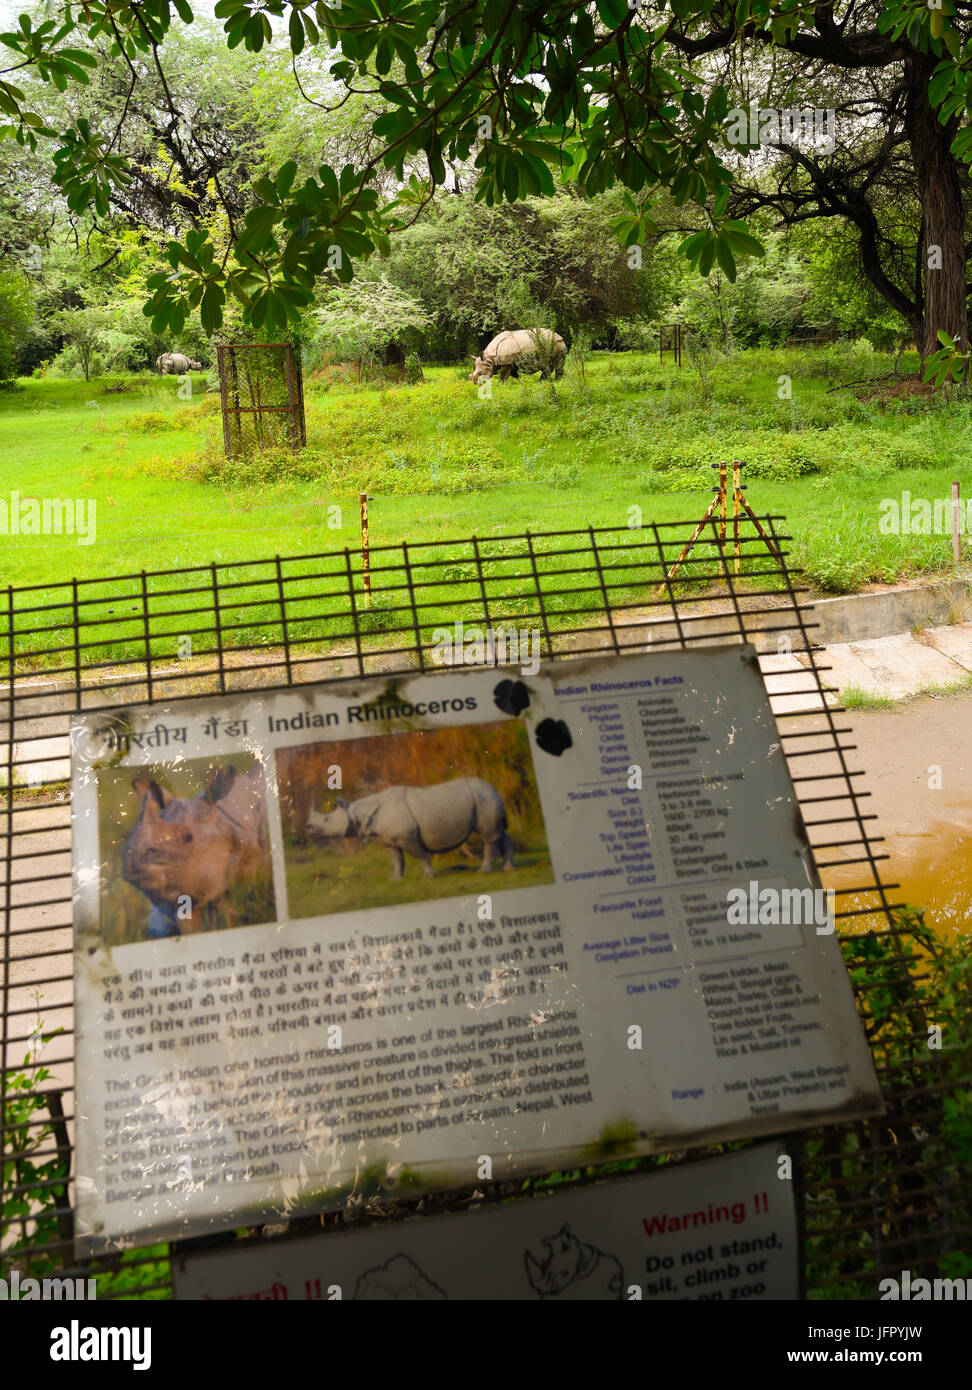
(526, 350)
(196, 848)
(422, 821)
(176, 364)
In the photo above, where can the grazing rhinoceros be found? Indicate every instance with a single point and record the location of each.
(422, 821)
(196, 848)
(526, 350)
(176, 364)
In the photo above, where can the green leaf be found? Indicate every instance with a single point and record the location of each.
(296, 30)
(725, 258)
(693, 244)
(740, 237)
(613, 11)
(285, 178)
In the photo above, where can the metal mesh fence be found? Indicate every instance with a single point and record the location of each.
(874, 1196)
(262, 397)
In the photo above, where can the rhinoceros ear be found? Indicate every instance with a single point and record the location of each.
(218, 782)
(151, 793)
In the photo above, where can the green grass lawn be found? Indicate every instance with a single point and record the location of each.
(322, 881)
(437, 461)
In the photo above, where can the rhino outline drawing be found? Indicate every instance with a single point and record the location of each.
(422, 821)
(510, 351)
(197, 847)
(574, 1269)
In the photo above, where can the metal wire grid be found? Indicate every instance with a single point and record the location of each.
(178, 634)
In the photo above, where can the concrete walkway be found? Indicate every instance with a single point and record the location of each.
(929, 660)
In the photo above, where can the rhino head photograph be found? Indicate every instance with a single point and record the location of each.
(203, 861)
(331, 825)
(481, 370)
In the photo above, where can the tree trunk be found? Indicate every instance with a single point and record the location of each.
(940, 191)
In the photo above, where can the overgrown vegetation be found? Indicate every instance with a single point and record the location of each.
(619, 429)
(35, 1216)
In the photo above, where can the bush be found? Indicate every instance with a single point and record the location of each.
(148, 422)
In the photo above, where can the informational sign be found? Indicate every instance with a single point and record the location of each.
(719, 1231)
(441, 929)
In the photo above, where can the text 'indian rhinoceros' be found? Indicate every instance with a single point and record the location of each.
(185, 853)
(176, 364)
(422, 821)
(525, 350)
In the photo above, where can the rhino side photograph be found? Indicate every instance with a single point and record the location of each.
(422, 821)
(184, 849)
(419, 815)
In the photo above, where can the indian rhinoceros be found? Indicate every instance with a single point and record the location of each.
(526, 350)
(196, 848)
(176, 364)
(422, 821)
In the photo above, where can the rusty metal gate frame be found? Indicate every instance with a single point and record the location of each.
(674, 332)
(230, 358)
(284, 622)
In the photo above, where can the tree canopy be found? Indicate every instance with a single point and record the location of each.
(515, 97)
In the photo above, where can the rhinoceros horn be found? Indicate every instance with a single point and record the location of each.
(538, 1274)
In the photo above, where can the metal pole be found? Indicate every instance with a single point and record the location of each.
(956, 540)
(722, 503)
(365, 558)
(736, 495)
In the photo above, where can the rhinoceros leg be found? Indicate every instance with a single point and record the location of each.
(502, 844)
(421, 853)
(505, 374)
(558, 374)
(398, 862)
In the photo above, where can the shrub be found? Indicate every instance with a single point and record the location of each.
(148, 422)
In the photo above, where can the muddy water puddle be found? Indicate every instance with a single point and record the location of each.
(933, 870)
(917, 766)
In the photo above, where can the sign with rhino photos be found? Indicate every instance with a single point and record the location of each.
(720, 1231)
(440, 929)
